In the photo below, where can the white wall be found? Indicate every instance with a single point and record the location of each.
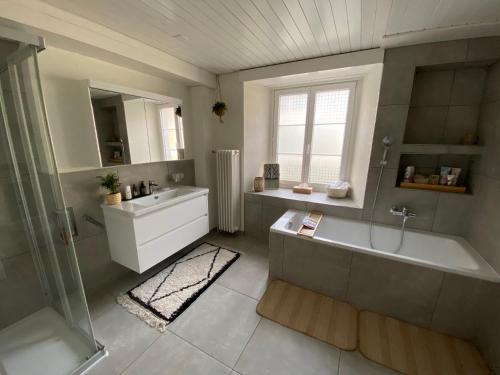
(362, 139)
(230, 134)
(258, 112)
(71, 126)
(201, 118)
(213, 135)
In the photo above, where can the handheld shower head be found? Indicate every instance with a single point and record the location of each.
(387, 141)
(387, 144)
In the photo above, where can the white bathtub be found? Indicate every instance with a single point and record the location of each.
(451, 254)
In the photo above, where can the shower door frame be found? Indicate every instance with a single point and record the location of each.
(25, 52)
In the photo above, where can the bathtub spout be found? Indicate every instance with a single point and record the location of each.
(406, 213)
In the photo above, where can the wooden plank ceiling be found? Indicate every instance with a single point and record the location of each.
(228, 35)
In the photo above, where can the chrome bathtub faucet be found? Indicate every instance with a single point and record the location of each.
(402, 211)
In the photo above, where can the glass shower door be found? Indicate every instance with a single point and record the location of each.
(25, 132)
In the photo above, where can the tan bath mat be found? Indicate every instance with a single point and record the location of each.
(416, 351)
(311, 313)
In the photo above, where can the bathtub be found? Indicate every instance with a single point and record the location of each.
(450, 254)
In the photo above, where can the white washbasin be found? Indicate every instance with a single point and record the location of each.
(162, 196)
(159, 200)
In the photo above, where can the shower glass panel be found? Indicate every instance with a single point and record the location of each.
(53, 334)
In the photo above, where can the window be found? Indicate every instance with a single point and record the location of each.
(312, 131)
(172, 134)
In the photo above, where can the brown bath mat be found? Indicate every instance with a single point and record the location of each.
(311, 313)
(416, 351)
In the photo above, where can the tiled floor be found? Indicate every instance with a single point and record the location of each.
(220, 333)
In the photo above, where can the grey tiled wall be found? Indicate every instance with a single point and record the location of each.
(19, 284)
(423, 296)
(484, 231)
(82, 192)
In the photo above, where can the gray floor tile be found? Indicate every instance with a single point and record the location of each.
(276, 350)
(237, 241)
(248, 275)
(174, 356)
(220, 322)
(353, 363)
(125, 337)
(99, 303)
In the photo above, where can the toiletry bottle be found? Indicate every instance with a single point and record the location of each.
(142, 188)
(135, 192)
(128, 192)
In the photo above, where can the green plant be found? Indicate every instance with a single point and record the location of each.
(178, 111)
(219, 108)
(111, 182)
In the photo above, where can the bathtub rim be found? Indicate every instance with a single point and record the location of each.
(485, 271)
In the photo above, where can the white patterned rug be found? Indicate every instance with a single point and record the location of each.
(164, 296)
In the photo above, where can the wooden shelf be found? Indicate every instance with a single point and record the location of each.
(441, 149)
(441, 188)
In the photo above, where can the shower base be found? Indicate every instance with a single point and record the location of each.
(42, 343)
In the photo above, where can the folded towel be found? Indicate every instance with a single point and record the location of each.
(309, 223)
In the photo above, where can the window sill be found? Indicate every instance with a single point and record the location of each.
(314, 197)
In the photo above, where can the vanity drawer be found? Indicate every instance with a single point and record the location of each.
(156, 224)
(161, 248)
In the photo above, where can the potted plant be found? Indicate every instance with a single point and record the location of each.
(219, 108)
(111, 183)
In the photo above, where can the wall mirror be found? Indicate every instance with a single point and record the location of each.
(135, 127)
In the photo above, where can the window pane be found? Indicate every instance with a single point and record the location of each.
(292, 109)
(331, 106)
(291, 139)
(330, 116)
(324, 169)
(290, 167)
(328, 139)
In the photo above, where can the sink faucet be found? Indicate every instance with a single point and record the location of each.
(153, 187)
(402, 211)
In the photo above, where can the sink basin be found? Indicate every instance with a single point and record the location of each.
(161, 197)
(160, 200)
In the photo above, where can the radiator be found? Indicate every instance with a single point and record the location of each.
(228, 190)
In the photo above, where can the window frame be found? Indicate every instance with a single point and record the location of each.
(311, 91)
(179, 131)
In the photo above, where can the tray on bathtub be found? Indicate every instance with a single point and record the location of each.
(314, 218)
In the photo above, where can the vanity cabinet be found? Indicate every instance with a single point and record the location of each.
(141, 236)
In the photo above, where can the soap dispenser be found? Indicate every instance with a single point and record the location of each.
(142, 188)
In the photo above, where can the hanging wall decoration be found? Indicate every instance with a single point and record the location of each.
(219, 108)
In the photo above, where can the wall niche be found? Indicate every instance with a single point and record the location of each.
(443, 119)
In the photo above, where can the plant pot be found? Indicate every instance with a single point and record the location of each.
(112, 199)
(219, 114)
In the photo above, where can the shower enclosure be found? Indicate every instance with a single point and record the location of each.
(45, 326)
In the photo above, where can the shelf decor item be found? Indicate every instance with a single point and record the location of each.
(302, 189)
(258, 184)
(219, 108)
(178, 111)
(111, 183)
(272, 176)
(338, 189)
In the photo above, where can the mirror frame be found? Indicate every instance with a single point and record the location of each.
(93, 84)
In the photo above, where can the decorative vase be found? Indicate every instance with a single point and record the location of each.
(112, 199)
(272, 175)
(258, 184)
